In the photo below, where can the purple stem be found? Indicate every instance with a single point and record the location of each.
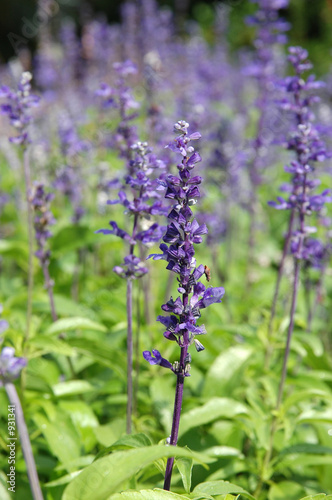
(290, 332)
(294, 296)
(176, 416)
(277, 287)
(130, 338)
(129, 354)
(177, 403)
(25, 441)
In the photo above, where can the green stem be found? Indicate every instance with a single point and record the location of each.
(27, 178)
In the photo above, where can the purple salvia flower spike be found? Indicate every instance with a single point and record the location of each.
(178, 250)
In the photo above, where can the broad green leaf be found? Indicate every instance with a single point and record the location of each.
(49, 344)
(316, 416)
(76, 323)
(61, 436)
(155, 494)
(220, 488)
(105, 476)
(185, 467)
(285, 490)
(126, 442)
(83, 419)
(98, 351)
(132, 441)
(67, 307)
(72, 387)
(225, 372)
(212, 410)
(107, 434)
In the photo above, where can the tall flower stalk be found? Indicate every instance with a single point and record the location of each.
(270, 33)
(178, 250)
(308, 147)
(142, 207)
(17, 107)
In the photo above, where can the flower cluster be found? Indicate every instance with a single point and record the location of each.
(270, 33)
(10, 367)
(178, 250)
(144, 204)
(40, 201)
(17, 107)
(309, 148)
(120, 97)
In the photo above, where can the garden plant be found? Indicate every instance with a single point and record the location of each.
(148, 171)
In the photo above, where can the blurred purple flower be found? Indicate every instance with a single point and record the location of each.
(10, 367)
(17, 107)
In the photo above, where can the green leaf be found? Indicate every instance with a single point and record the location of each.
(132, 441)
(316, 416)
(285, 490)
(105, 476)
(72, 387)
(308, 394)
(70, 238)
(49, 344)
(215, 408)
(62, 480)
(306, 448)
(98, 351)
(61, 436)
(126, 442)
(220, 488)
(296, 460)
(155, 494)
(225, 372)
(185, 467)
(76, 323)
(108, 433)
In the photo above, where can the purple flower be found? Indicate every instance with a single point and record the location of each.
(40, 201)
(131, 268)
(121, 98)
(17, 107)
(117, 232)
(309, 148)
(178, 250)
(10, 367)
(144, 203)
(155, 358)
(3, 324)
